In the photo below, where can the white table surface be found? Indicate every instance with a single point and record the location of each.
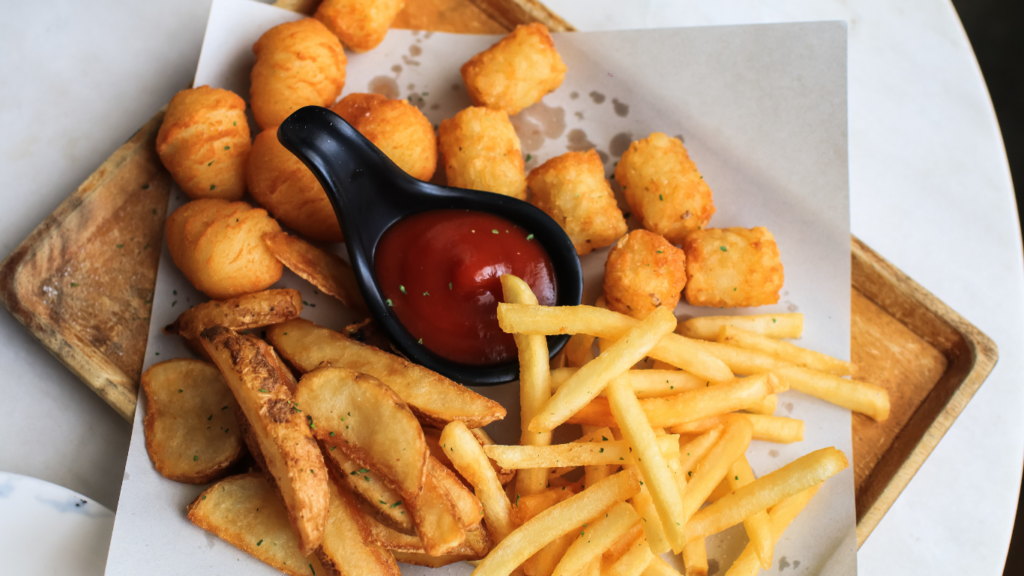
(930, 191)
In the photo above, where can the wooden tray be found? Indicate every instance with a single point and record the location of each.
(82, 284)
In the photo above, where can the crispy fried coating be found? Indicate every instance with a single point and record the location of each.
(732, 267)
(516, 72)
(398, 128)
(282, 184)
(643, 273)
(664, 188)
(572, 189)
(297, 64)
(204, 142)
(360, 24)
(219, 247)
(480, 151)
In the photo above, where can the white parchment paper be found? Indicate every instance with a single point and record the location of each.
(762, 111)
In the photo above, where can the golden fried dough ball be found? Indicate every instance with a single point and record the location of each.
(282, 184)
(361, 24)
(398, 128)
(664, 188)
(219, 247)
(516, 72)
(732, 267)
(643, 272)
(204, 142)
(297, 64)
(480, 150)
(572, 189)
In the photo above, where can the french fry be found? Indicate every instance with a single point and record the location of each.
(543, 563)
(658, 476)
(715, 465)
(633, 562)
(621, 546)
(534, 385)
(645, 383)
(256, 377)
(579, 350)
(526, 507)
(573, 454)
(765, 407)
(758, 526)
(770, 428)
(557, 521)
(469, 459)
(788, 325)
(695, 558)
(659, 567)
(328, 272)
(784, 351)
(433, 437)
(767, 491)
(650, 521)
(594, 474)
(689, 406)
(781, 516)
(691, 454)
(720, 491)
(341, 552)
(588, 382)
(595, 538)
(608, 325)
(435, 399)
(857, 396)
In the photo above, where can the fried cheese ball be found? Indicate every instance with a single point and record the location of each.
(297, 64)
(480, 151)
(204, 142)
(516, 72)
(643, 273)
(398, 128)
(282, 184)
(360, 24)
(663, 187)
(732, 267)
(219, 247)
(572, 189)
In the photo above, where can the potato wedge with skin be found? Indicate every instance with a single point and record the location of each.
(467, 506)
(191, 432)
(348, 549)
(260, 384)
(435, 399)
(418, 559)
(326, 271)
(360, 415)
(368, 485)
(247, 512)
(242, 313)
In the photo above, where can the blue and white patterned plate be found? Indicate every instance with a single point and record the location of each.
(46, 529)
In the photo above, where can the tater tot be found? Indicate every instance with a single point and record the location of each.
(360, 24)
(297, 64)
(663, 187)
(283, 185)
(219, 247)
(480, 151)
(516, 72)
(732, 267)
(572, 189)
(398, 128)
(204, 142)
(643, 273)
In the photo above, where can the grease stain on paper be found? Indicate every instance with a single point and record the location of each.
(621, 109)
(538, 123)
(384, 86)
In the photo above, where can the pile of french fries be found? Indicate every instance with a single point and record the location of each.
(367, 460)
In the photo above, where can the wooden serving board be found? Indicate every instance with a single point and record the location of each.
(82, 284)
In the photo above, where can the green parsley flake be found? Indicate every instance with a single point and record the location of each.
(449, 285)
(402, 288)
(529, 237)
(390, 304)
(195, 458)
(145, 186)
(494, 231)
(260, 542)
(723, 248)
(74, 284)
(332, 432)
(264, 390)
(213, 186)
(227, 147)
(426, 293)
(396, 504)
(420, 341)
(661, 197)
(529, 157)
(312, 426)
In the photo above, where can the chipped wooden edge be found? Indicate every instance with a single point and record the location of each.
(511, 13)
(86, 361)
(973, 352)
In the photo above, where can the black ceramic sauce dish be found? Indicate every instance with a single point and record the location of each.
(369, 193)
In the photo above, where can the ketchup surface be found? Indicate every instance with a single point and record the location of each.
(440, 270)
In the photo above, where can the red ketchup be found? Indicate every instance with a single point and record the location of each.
(440, 270)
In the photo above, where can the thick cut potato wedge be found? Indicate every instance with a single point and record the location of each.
(467, 506)
(326, 271)
(370, 487)
(247, 512)
(242, 313)
(363, 417)
(260, 383)
(191, 432)
(418, 559)
(348, 549)
(434, 398)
